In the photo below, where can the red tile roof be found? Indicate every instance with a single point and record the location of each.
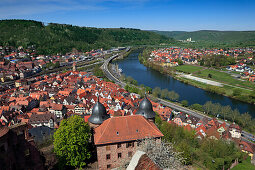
(125, 128)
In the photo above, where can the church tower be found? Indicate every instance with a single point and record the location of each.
(74, 66)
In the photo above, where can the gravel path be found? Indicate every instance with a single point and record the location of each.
(210, 82)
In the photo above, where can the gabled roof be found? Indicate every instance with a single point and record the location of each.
(125, 128)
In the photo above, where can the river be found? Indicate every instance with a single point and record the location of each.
(152, 78)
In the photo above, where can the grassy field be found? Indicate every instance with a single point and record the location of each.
(245, 165)
(188, 68)
(226, 78)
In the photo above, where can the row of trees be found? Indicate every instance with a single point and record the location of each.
(244, 120)
(217, 60)
(141, 90)
(165, 94)
(128, 79)
(207, 153)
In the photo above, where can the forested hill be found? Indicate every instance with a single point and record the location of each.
(233, 37)
(60, 38)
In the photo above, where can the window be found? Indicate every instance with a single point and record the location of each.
(108, 166)
(129, 154)
(108, 156)
(129, 144)
(108, 147)
(118, 145)
(119, 155)
(138, 143)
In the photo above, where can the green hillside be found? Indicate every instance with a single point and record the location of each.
(235, 38)
(60, 38)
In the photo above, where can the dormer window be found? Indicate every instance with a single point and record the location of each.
(137, 130)
(117, 133)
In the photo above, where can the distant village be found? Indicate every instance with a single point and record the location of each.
(169, 57)
(23, 63)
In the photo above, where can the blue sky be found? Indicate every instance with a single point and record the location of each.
(167, 15)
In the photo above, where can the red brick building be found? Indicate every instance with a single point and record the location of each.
(117, 139)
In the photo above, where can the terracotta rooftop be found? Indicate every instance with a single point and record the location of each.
(140, 160)
(125, 128)
(146, 163)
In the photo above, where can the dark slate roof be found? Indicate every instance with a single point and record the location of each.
(41, 132)
(145, 109)
(98, 114)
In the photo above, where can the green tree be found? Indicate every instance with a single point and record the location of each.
(129, 79)
(236, 92)
(197, 106)
(97, 71)
(208, 107)
(172, 95)
(71, 142)
(156, 91)
(185, 103)
(245, 119)
(164, 93)
(235, 114)
(209, 75)
(180, 62)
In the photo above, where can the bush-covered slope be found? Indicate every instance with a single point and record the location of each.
(60, 38)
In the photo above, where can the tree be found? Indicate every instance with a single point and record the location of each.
(234, 115)
(209, 75)
(236, 92)
(208, 107)
(185, 103)
(226, 111)
(71, 142)
(197, 106)
(180, 62)
(97, 71)
(172, 95)
(245, 119)
(164, 93)
(156, 91)
(129, 79)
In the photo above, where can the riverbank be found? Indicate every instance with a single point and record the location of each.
(238, 93)
(197, 98)
(164, 102)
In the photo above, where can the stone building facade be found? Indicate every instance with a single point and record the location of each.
(116, 154)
